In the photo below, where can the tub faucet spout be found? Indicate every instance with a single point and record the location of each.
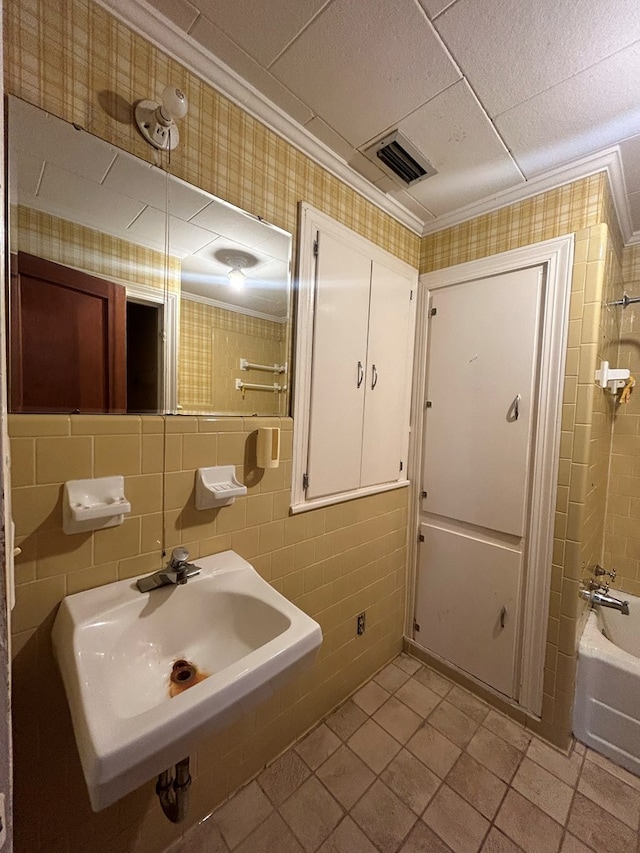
(605, 600)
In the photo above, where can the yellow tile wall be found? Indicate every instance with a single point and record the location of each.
(75, 60)
(212, 341)
(333, 563)
(622, 550)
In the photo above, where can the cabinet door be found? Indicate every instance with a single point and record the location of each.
(467, 603)
(481, 380)
(338, 373)
(388, 381)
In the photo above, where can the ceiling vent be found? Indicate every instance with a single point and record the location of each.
(401, 160)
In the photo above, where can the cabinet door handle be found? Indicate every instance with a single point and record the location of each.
(516, 407)
(503, 614)
(360, 374)
(374, 376)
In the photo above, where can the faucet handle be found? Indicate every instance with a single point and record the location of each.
(178, 556)
(598, 571)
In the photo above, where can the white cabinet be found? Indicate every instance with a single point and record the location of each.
(355, 333)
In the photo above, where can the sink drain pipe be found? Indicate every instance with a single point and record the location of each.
(174, 793)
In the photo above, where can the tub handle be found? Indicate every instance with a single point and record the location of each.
(503, 614)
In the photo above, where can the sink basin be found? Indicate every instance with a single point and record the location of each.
(116, 648)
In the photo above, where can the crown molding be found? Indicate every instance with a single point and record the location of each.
(149, 23)
(229, 306)
(608, 161)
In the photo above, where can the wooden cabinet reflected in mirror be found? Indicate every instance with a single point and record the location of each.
(203, 289)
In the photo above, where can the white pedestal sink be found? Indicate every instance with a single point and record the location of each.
(116, 646)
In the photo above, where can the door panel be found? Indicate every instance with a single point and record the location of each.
(67, 339)
(463, 585)
(482, 342)
(483, 353)
(339, 365)
(388, 354)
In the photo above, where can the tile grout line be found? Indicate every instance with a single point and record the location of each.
(573, 797)
(342, 741)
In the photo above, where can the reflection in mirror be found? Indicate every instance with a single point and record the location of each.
(234, 311)
(204, 325)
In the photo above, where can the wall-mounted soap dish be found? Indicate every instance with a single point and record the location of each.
(93, 504)
(217, 487)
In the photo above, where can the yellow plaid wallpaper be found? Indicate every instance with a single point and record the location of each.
(60, 56)
(212, 343)
(74, 59)
(560, 211)
(75, 245)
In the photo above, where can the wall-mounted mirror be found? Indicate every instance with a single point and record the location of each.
(133, 291)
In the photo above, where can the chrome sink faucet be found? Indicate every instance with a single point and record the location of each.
(177, 571)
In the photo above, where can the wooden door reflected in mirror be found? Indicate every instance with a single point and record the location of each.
(194, 343)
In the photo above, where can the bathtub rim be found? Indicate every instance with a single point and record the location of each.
(595, 646)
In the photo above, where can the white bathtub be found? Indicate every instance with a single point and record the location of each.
(606, 714)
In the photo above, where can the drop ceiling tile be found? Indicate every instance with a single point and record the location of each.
(78, 199)
(184, 238)
(344, 149)
(263, 30)
(435, 7)
(181, 12)
(328, 135)
(590, 111)
(445, 193)
(362, 71)
(213, 39)
(213, 252)
(35, 132)
(387, 185)
(148, 229)
(455, 135)
(229, 222)
(365, 167)
(511, 51)
(453, 131)
(630, 151)
(404, 197)
(276, 245)
(131, 176)
(271, 273)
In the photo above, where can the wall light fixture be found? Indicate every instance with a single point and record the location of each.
(156, 122)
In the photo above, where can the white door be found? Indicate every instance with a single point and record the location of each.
(481, 388)
(341, 319)
(388, 383)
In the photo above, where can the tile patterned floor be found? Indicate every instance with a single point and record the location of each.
(414, 764)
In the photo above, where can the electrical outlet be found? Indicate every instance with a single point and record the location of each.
(360, 624)
(3, 822)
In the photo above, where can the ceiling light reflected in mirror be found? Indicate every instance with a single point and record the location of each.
(81, 202)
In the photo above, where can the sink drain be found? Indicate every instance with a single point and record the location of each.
(184, 674)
